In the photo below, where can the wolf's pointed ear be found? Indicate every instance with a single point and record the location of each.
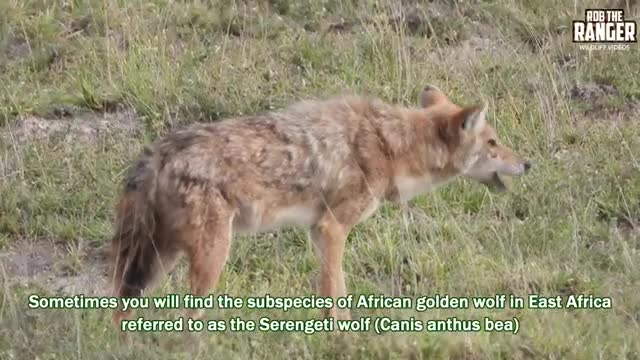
(474, 118)
(431, 95)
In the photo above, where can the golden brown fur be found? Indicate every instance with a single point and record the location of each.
(324, 165)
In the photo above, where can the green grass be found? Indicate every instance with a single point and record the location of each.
(571, 226)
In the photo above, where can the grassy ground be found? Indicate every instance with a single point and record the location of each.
(570, 227)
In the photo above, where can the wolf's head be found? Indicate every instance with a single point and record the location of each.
(476, 151)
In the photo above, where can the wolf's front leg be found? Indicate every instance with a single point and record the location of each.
(329, 236)
(329, 239)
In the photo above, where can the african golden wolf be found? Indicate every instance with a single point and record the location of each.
(325, 165)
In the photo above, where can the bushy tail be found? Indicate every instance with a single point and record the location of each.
(136, 250)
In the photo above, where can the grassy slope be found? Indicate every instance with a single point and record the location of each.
(569, 227)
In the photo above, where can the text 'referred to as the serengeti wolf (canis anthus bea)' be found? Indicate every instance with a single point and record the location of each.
(274, 314)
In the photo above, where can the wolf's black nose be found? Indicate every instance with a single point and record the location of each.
(527, 165)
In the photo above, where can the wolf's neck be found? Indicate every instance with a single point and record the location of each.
(423, 161)
(426, 148)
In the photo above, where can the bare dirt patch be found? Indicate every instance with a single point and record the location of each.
(435, 20)
(13, 49)
(85, 127)
(591, 92)
(41, 263)
(17, 48)
(629, 110)
(412, 20)
(464, 54)
(343, 26)
(598, 105)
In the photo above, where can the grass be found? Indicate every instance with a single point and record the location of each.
(570, 227)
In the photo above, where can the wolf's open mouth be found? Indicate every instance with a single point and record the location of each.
(496, 183)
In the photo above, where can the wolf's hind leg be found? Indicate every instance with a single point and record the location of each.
(208, 254)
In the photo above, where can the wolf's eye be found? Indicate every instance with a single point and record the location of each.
(492, 142)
